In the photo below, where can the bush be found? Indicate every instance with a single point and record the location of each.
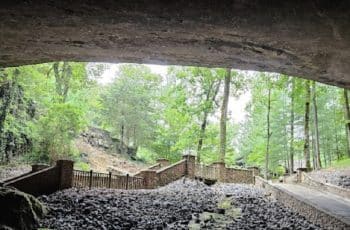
(56, 131)
(82, 166)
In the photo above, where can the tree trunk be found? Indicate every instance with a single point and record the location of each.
(306, 126)
(267, 156)
(205, 120)
(223, 117)
(336, 131)
(347, 119)
(201, 136)
(62, 79)
(291, 154)
(121, 146)
(317, 134)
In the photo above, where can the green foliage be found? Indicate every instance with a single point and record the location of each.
(145, 155)
(57, 130)
(56, 122)
(343, 163)
(46, 106)
(128, 104)
(280, 170)
(81, 166)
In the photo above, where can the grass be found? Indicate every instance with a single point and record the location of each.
(344, 163)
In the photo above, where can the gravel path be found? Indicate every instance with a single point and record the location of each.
(339, 177)
(180, 205)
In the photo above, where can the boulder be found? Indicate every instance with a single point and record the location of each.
(19, 210)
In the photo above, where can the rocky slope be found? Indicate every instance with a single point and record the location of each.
(180, 205)
(339, 177)
(101, 160)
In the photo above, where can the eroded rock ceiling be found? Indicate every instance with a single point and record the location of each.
(309, 39)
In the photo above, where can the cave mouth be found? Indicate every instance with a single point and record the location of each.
(310, 40)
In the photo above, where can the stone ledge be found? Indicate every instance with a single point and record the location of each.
(302, 206)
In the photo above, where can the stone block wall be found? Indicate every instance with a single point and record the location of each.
(241, 176)
(154, 167)
(234, 175)
(172, 172)
(45, 181)
(163, 162)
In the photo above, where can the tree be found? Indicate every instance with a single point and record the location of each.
(317, 135)
(347, 119)
(268, 135)
(223, 117)
(56, 132)
(129, 105)
(62, 76)
(211, 93)
(16, 113)
(291, 153)
(306, 125)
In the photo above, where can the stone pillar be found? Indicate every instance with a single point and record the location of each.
(150, 178)
(190, 165)
(222, 171)
(65, 170)
(38, 167)
(256, 170)
(163, 162)
(300, 174)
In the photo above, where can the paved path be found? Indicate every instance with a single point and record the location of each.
(330, 203)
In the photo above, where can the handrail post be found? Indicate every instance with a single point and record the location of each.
(127, 181)
(90, 180)
(109, 179)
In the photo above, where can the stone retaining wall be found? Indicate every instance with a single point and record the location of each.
(44, 181)
(154, 167)
(171, 173)
(234, 175)
(310, 212)
(307, 180)
(242, 176)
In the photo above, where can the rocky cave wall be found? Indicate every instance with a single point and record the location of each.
(310, 39)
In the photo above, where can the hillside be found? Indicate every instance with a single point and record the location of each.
(101, 160)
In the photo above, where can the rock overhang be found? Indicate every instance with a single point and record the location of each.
(309, 39)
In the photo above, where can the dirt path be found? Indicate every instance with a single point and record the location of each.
(101, 161)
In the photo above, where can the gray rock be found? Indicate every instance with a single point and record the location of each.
(19, 210)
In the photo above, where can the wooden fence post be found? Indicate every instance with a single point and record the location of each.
(90, 179)
(127, 181)
(109, 179)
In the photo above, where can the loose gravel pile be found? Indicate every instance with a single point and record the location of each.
(184, 204)
(337, 177)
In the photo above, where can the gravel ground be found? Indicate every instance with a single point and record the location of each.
(9, 171)
(337, 177)
(184, 204)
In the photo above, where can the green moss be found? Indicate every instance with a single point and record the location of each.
(225, 203)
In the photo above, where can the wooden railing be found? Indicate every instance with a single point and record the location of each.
(106, 180)
(207, 172)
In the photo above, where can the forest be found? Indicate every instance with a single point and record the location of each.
(288, 122)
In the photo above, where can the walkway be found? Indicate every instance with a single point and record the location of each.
(327, 202)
